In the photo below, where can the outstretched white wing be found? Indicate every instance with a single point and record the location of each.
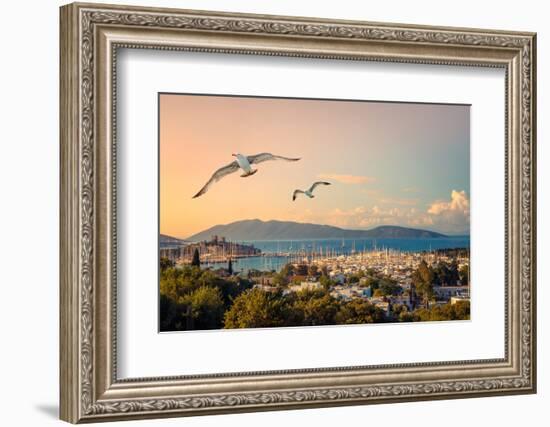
(315, 184)
(295, 194)
(219, 174)
(264, 157)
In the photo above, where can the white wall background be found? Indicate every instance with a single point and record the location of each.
(29, 170)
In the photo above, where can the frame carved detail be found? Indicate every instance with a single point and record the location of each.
(89, 17)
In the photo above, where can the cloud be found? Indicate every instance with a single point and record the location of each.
(459, 204)
(446, 216)
(347, 179)
(367, 217)
(451, 215)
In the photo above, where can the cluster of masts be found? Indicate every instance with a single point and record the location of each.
(311, 252)
(315, 252)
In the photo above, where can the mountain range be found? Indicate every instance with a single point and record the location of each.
(255, 229)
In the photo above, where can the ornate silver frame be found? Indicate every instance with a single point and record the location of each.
(90, 36)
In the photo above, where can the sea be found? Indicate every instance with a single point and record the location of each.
(277, 253)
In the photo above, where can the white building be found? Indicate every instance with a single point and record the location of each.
(305, 285)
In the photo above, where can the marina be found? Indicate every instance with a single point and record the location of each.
(272, 255)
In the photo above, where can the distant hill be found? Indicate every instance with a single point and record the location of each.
(165, 240)
(255, 229)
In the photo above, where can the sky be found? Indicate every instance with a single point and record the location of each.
(389, 163)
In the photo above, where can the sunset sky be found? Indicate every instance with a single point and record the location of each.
(389, 163)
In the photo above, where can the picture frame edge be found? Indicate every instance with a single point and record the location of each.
(79, 401)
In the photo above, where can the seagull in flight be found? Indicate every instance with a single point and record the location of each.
(309, 192)
(241, 162)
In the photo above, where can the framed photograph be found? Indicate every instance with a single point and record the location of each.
(265, 212)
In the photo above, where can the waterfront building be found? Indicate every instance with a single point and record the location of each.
(217, 249)
(445, 293)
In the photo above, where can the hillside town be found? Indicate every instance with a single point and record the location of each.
(385, 278)
(201, 289)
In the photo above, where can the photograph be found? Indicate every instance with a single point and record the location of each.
(299, 212)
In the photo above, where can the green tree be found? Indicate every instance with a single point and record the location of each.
(171, 318)
(230, 267)
(389, 287)
(422, 279)
(356, 277)
(232, 288)
(378, 293)
(371, 281)
(407, 316)
(287, 270)
(353, 279)
(312, 270)
(196, 262)
(314, 307)
(399, 313)
(256, 309)
(207, 307)
(441, 274)
(175, 283)
(457, 311)
(301, 270)
(454, 275)
(166, 263)
(358, 311)
(281, 280)
(462, 310)
(464, 274)
(326, 282)
(184, 304)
